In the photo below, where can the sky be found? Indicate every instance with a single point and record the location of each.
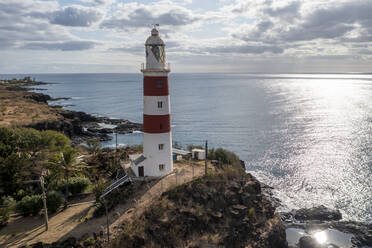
(107, 36)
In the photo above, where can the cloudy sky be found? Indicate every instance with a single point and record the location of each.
(72, 36)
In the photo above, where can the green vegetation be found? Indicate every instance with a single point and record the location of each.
(98, 190)
(190, 147)
(89, 242)
(76, 185)
(26, 154)
(54, 201)
(65, 164)
(223, 156)
(30, 205)
(94, 146)
(23, 152)
(8, 204)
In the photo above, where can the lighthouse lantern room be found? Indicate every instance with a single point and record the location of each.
(157, 135)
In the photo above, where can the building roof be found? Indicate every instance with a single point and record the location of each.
(137, 158)
(180, 152)
(198, 150)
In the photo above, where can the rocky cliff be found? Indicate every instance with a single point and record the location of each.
(223, 209)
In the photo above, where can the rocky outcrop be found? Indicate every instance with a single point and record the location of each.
(75, 124)
(223, 210)
(318, 213)
(79, 125)
(322, 218)
(38, 97)
(308, 242)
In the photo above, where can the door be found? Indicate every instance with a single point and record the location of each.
(141, 172)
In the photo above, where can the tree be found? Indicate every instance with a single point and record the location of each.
(36, 145)
(94, 146)
(64, 164)
(12, 162)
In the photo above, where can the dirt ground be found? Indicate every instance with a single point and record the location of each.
(16, 110)
(75, 221)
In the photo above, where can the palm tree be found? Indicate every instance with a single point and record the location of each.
(64, 164)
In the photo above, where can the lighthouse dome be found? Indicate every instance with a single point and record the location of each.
(155, 39)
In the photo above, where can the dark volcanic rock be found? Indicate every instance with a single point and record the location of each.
(128, 127)
(320, 213)
(78, 115)
(38, 97)
(308, 242)
(60, 98)
(231, 209)
(77, 125)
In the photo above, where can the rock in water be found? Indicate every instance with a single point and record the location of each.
(317, 213)
(308, 242)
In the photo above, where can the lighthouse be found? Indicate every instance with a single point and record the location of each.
(156, 159)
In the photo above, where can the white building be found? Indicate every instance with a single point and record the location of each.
(198, 154)
(156, 159)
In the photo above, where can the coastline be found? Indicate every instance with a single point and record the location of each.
(21, 107)
(79, 126)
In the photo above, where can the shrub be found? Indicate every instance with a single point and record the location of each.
(20, 194)
(30, 205)
(76, 185)
(89, 242)
(8, 205)
(224, 156)
(190, 147)
(98, 190)
(54, 201)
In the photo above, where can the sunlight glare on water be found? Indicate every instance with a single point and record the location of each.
(321, 237)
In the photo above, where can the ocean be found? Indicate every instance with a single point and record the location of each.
(307, 135)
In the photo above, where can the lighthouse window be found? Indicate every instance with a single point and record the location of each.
(159, 84)
(161, 146)
(160, 104)
(161, 166)
(161, 126)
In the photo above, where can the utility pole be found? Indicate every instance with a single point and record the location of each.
(44, 203)
(107, 221)
(116, 148)
(206, 157)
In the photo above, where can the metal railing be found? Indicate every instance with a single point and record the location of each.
(115, 184)
(166, 67)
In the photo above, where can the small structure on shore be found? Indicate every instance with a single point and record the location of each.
(156, 160)
(198, 154)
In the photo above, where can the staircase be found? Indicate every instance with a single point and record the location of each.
(115, 185)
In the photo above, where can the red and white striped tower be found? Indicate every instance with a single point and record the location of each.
(157, 135)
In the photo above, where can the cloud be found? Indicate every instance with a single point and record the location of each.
(97, 2)
(63, 46)
(333, 22)
(246, 49)
(292, 24)
(135, 15)
(288, 12)
(27, 24)
(74, 17)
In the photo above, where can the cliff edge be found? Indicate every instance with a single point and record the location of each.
(223, 209)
